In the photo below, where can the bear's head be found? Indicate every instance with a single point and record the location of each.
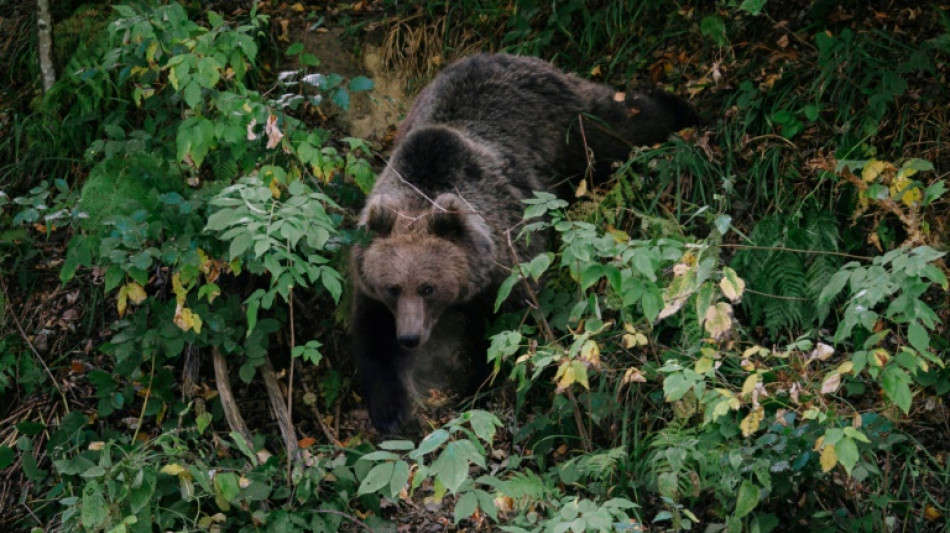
(422, 260)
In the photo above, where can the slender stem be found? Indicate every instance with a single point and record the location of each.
(19, 327)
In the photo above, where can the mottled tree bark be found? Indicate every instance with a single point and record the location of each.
(44, 29)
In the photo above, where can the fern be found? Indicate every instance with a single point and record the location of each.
(525, 488)
(789, 281)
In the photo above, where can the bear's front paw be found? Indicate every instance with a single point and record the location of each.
(387, 414)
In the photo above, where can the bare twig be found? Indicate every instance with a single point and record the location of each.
(327, 432)
(290, 372)
(794, 250)
(148, 394)
(351, 518)
(413, 187)
(19, 327)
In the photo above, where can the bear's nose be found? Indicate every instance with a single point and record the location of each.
(409, 341)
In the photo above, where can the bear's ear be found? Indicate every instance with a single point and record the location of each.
(454, 219)
(378, 216)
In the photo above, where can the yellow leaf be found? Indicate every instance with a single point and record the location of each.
(633, 375)
(629, 341)
(845, 367)
(873, 169)
(880, 357)
(136, 293)
(274, 188)
(580, 374)
(750, 383)
(122, 302)
(755, 350)
(590, 353)
(829, 458)
(750, 424)
(581, 189)
(173, 469)
(186, 319)
(718, 320)
(732, 285)
(909, 196)
(703, 365)
(180, 291)
(565, 376)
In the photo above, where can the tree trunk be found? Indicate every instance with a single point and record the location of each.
(44, 28)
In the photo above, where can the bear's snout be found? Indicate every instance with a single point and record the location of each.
(409, 341)
(413, 322)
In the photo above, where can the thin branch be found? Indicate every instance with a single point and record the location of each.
(413, 187)
(794, 250)
(26, 339)
(290, 373)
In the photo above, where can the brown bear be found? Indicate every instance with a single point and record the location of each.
(481, 138)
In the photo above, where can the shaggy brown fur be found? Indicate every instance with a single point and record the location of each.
(484, 135)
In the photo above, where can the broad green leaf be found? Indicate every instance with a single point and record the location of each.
(896, 384)
(431, 443)
(94, 508)
(226, 485)
(747, 499)
(847, 451)
(377, 478)
(360, 83)
(466, 506)
(451, 467)
(399, 478)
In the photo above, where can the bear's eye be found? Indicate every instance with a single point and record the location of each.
(426, 290)
(393, 291)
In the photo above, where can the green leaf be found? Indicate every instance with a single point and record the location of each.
(847, 451)
(377, 478)
(918, 336)
(397, 445)
(451, 467)
(430, 443)
(934, 191)
(675, 386)
(360, 83)
(714, 28)
(6, 456)
(722, 223)
(226, 485)
(341, 97)
(505, 290)
(400, 478)
(896, 384)
(747, 500)
(466, 506)
(835, 285)
(94, 509)
(294, 49)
